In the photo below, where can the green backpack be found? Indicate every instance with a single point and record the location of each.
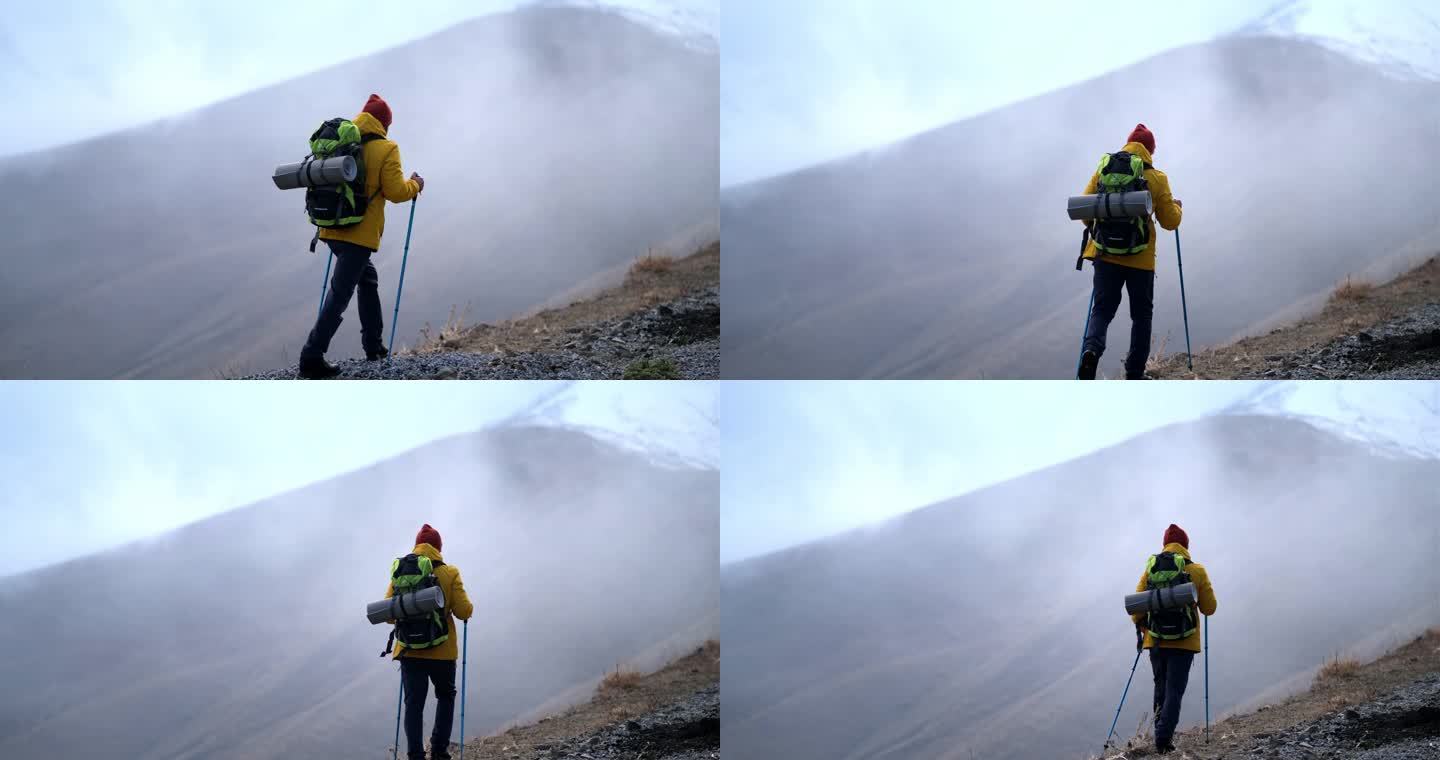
(408, 574)
(1164, 570)
(342, 205)
(1121, 172)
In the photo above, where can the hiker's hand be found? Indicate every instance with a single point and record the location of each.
(1179, 203)
(419, 180)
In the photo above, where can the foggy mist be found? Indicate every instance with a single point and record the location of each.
(949, 255)
(558, 144)
(992, 623)
(244, 635)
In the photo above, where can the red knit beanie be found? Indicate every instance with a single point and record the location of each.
(429, 535)
(1140, 134)
(377, 107)
(1173, 535)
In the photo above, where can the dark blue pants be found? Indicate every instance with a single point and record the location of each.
(1172, 672)
(1140, 285)
(352, 272)
(418, 675)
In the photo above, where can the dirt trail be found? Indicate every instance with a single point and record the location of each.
(647, 284)
(619, 709)
(1389, 708)
(1365, 331)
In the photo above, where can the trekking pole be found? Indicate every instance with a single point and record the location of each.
(329, 257)
(1113, 723)
(1088, 310)
(394, 320)
(1184, 310)
(395, 753)
(1079, 265)
(465, 657)
(1207, 679)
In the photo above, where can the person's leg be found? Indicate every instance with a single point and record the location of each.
(1140, 290)
(1107, 283)
(372, 324)
(1177, 676)
(417, 686)
(350, 262)
(443, 673)
(1157, 668)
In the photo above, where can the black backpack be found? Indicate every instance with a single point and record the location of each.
(1120, 172)
(408, 574)
(342, 205)
(1165, 570)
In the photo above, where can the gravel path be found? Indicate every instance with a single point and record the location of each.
(1402, 725)
(685, 730)
(1405, 348)
(686, 331)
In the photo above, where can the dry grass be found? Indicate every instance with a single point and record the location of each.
(651, 263)
(1352, 290)
(1337, 668)
(449, 335)
(621, 679)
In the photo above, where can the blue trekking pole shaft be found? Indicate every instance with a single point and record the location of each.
(1123, 694)
(1184, 310)
(464, 658)
(1079, 263)
(396, 753)
(395, 320)
(329, 257)
(1207, 679)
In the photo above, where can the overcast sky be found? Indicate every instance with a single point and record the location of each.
(88, 465)
(804, 81)
(804, 460)
(72, 69)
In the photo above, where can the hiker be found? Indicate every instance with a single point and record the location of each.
(421, 667)
(1132, 269)
(353, 245)
(1172, 636)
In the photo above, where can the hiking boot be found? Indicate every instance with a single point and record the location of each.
(1089, 361)
(317, 368)
(1164, 748)
(375, 356)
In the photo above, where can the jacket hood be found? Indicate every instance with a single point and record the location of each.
(426, 550)
(1173, 548)
(1133, 148)
(369, 125)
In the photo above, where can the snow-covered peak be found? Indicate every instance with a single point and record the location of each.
(693, 21)
(1402, 37)
(675, 424)
(1400, 417)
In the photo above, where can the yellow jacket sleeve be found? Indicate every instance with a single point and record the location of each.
(1203, 588)
(396, 188)
(458, 600)
(1167, 212)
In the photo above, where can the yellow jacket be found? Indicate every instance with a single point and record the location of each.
(1167, 213)
(457, 604)
(1201, 579)
(382, 172)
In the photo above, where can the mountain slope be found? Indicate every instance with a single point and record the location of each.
(1401, 36)
(243, 635)
(948, 254)
(165, 251)
(946, 632)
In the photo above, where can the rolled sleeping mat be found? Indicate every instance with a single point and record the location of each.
(312, 173)
(405, 606)
(1110, 205)
(1159, 599)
